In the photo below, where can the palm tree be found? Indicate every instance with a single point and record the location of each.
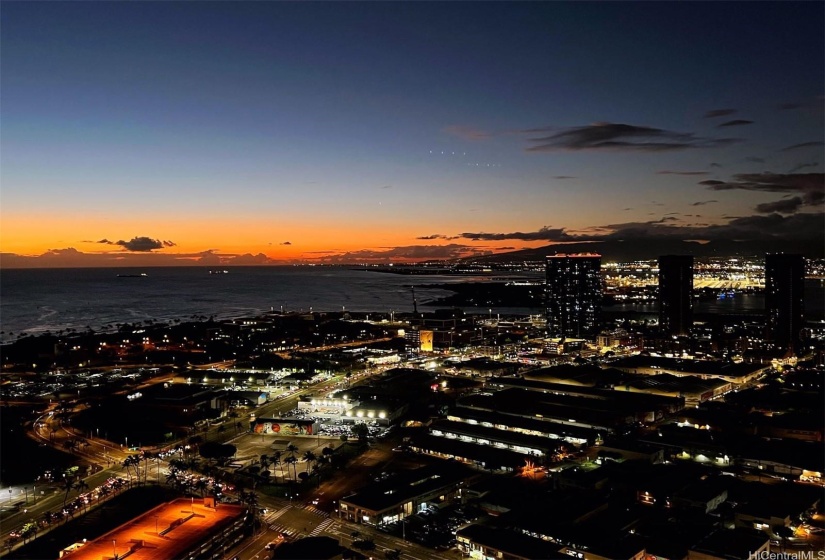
(292, 448)
(127, 464)
(68, 484)
(201, 485)
(276, 462)
(291, 460)
(309, 458)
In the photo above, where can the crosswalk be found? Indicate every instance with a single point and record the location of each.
(276, 514)
(316, 511)
(322, 527)
(288, 532)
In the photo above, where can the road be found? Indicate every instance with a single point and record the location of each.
(49, 430)
(298, 521)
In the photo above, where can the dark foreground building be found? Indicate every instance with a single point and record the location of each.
(573, 295)
(784, 287)
(676, 294)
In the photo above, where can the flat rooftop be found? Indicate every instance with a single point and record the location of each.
(173, 542)
(725, 370)
(407, 485)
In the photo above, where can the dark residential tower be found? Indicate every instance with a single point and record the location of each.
(573, 295)
(676, 294)
(784, 286)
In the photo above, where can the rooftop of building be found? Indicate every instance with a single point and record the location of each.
(698, 367)
(406, 485)
(495, 435)
(183, 524)
(622, 399)
(490, 456)
(536, 424)
(513, 543)
(735, 543)
(774, 500)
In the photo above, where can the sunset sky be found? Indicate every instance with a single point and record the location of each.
(256, 132)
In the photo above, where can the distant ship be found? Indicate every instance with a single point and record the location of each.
(141, 275)
(218, 272)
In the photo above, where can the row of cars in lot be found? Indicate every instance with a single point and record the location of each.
(433, 527)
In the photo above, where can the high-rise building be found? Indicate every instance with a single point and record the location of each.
(675, 294)
(784, 286)
(573, 295)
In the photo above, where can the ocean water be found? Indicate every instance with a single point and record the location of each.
(34, 301)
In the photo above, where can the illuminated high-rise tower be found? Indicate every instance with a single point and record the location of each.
(676, 294)
(784, 286)
(573, 295)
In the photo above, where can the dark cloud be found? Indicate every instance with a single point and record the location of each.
(788, 106)
(783, 206)
(736, 122)
(622, 137)
(386, 187)
(755, 159)
(810, 188)
(799, 166)
(544, 234)
(666, 172)
(626, 209)
(770, 182)
(803, 145)
(719, 113)
(799, 228)
(141, 244)
(437, 236)
(714, 164)
(466, 132)
(287, 243)
(562, 177)
(703, 202)
(411, 252)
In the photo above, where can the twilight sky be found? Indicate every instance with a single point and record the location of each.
(242, 133)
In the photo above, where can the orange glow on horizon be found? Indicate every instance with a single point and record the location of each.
(283, 240)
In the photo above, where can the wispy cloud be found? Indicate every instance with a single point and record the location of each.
(667, 172)
(563, 177)
(622, 137)
(809, 186)
(736, 122)
(545, 233)
(814, 144)
(719, 113)
(799, 228)
(437, 236)
(467, 132)
(408, 253)
(703, 202)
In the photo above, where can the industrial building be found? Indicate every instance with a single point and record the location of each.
(185, 529)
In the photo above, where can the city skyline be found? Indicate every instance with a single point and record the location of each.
(272, 133)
